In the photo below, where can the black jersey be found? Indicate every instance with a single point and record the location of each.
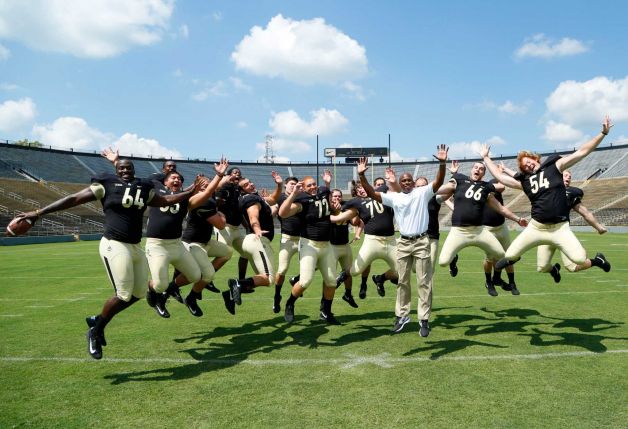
(265, 215)
(340, 232)
(378, 219)
(546, 191)
(157, 177)
(469, 200)
(124, 204)
(198, 230)
(433, 207)
(490, 217)
(290, 225)
(228, 199)
(315, 223)
(166, 222)
(574, 196)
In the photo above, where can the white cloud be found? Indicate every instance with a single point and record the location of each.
(540, 46)
(460, 150)
(75, 133)
(177, 73)
(4, 52)
(507, 107)
(15, 114)
(559, 132)
(323, 122)
(184, 31)
(89, 29)
(586, 103)
(356, 91)
(305, 52)
(241, 124)
(217, 16)
(131, 143)
(282, 146)
(239, 85)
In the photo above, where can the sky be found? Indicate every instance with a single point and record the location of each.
(201, 79)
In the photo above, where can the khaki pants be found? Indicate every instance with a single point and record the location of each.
(163, 252)
(199, 253)
(375, 247)
(288, 246)
(316, 254)
(260, 254)
(558, 235)
(460, 237)
(126, 267)
(544, 256)
(344, 256)
(414, 253)
(232, 236)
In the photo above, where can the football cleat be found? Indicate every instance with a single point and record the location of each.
(453, 267)
(94, 347)
(555, 273)
(173, 291)
(151, 297)
(603, 263)
(294, 280)
(235, 289)
(329, 318)
(211, 287)
(513, 289)
(348, 298)
(490, 289)
(160, 305)
(379, 282)
(91, 322)
(192, 305)
(229, 302)
(341, 278)
(362, 293)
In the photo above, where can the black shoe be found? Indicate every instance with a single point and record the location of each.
(362, 293)
(229, 303)
(288, 314)
(400, 322)
(235, 289)
(424, 330)
(294, 280)
(379, 282)
(94, 347)
(490, 289)
(513, 289)
(348, 298)
(453, 267)
(555, 273)
(603, 263)
(173, 291)
(276, 304)
(343, 276)
(192, 305)
(505, 286)
(212, 288)
(91, 322)
(160, 305)
(329, 318)
(151, 297)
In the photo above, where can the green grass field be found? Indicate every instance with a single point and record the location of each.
(556, 356)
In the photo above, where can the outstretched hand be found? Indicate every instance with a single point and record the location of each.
(455, 165)
(390, 174)
(221, 167)
(441, 152)
(607, 125)
(276, 177)
(484, 151)
(110, 155)
(363, 165)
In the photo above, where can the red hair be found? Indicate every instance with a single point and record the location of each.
(526, 154)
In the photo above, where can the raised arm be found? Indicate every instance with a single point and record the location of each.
(274, 197)
(362, 167)
(200, 197)
(590, 218)
(110, 155)
(168, 200)
(391, 179)
(344, 216)
(496, 171)
(81, 197)
(327, 176)
(289, 207)
(567, 161)
(441, 156)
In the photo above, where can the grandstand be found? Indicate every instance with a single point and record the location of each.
(31, 177)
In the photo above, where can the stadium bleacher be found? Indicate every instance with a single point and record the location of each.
(42, 175)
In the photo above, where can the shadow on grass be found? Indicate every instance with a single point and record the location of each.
(223, 347)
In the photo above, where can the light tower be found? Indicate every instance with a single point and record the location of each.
(269, 155)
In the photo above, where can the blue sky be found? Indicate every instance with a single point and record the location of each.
(203, 78)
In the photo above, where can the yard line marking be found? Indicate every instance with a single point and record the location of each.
(39, 306)
(11, 315)
(383, 359)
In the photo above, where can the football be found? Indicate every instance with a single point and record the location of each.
(18, 227)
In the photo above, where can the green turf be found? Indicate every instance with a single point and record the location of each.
(556, 356)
